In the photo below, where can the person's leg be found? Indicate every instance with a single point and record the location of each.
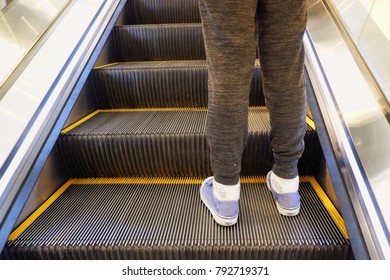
(281, 28)
(230, 42)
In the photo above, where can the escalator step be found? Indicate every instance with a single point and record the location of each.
(164, 143)
(158, 84)
(159, 42)
(162, 218)
(163, 11)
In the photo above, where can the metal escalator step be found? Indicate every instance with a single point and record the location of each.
(159, 42)
(163, 11)
(164, 143)
(143, 218)
(158, 84)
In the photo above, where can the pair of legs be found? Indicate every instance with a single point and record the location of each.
(229, 29)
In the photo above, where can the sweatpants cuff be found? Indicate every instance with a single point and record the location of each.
(286, 171)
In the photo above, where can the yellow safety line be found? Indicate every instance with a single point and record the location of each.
(67, 129)
(257, 107)
(310, 122)
(156, 180)
(105, 65)
(252, 180)
(138, 180)
(23, 226)
(328, 205)
(181, 109)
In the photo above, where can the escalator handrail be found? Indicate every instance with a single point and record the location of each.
(325, 47)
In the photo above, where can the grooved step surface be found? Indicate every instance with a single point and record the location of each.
(165, 143)
(159, 42)
(163, 11)
(151, 220)
(158, 84)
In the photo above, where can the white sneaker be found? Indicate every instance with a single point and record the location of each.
(222, 205)
(285, 193)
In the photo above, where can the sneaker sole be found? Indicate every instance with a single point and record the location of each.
(287, 212)
(284, 211)
(218, 219)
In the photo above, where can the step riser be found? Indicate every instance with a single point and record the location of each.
(159, 42)
(158, 11)
(166, 155)
(303, 252)
(159, 87)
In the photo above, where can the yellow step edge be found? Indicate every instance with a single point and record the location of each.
(23, 226)
(106, 65)
(138, 180)
(67, 129)
(158, 180)
(333, 212)
(173, 109)
(151, 64)
(310, 122)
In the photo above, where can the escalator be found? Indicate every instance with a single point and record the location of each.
(136, 162)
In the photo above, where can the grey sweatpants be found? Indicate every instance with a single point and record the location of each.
(229, 30)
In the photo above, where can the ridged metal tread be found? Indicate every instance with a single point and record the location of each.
(153, 42)
(165, 143)
(158, 84)
(166, 220)
(163, 11)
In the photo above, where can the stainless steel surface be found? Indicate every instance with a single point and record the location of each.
(4, 3)
(22, 23)
(51, 178)
(359, 131)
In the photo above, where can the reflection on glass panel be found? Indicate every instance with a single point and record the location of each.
(4, 3)
(368, 24)
(22, 22)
